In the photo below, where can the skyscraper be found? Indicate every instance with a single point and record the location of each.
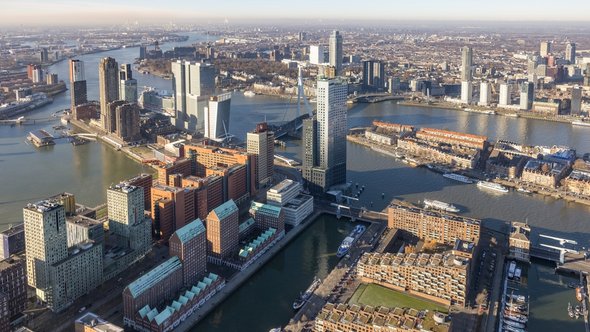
(127, 84)
(317, 54)
(216, 116)
(127, 122)
(466, 63)
(325, 138)
(527, 95)
(223, 231)
(78, 91)
(336, 51)
(545, 48)
(466, 92)
(108, 82)
(125, 205)
(192, 84)
(505, 95)
(260, 143)
(570, 52)
(576, 107)
(373, 75)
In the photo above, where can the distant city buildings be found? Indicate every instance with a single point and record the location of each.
(570, 52)
(373, 75)
(336, 54)
(545, 49)
(324, 138)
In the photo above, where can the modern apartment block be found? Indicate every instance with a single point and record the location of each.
(222, 231)
(81, 229)
(343, 317)
(261, 144)
(192, 84)
(144, 181)
(189, 244)
(441, 227)
(296, 205)
(443, 278)
(78, 89)
(181, 166)
(59, 274)
(108, 83)
(13, 284)
(12, 241)
(172, 208)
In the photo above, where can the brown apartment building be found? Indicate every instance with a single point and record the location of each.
(172, 208)
(223, 231)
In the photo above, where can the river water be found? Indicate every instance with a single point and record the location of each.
(28, 174)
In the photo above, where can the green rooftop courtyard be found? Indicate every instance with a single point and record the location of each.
(375, 295)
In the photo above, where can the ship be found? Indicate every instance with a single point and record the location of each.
(581, 123)
(492, 186)
(249, 93)
(512, 115)
(349, 240)
(523, 190)
(457, 177)
(579, 295)
(308, 292)
(570, 310)
(440, 206)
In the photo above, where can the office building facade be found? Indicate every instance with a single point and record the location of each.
(317, 54)
(189, 244)
(127, 84)
(216, 120)
(570, 52)
(485, 94)
(127, 122)
(12, 241)
(466, 64)
(527, 95)
(193, 83)
(13, 284)
(505, 97)
(78, 88)
(373, 75)
(223, 231)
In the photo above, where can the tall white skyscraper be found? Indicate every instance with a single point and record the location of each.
(336, 51)
(317, 54)
(324, 138)
(466, 92)
(570, 52)
(545, 49)
(217, 116)
(505, 95)
(527, 95)
(193, 83)
(466, 63)
(485, 93)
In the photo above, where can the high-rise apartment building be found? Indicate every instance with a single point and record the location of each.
(466, 92)
(261, 144)
(172, 208)
(466, 63)
(108, 83)
(189, 244)
(193, 83)
(485, 94)
(216, 117)
(373, 75)
(125, 204)
(223, 231)
(505, 98)
(545, 49)
(336, 52)
(576, 105)
(127, 122)
(570, 52)
(127, 84)
(78, 90)
(324, 137)
(145, 181)
(527, 95)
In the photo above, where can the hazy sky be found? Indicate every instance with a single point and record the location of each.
(16, 12)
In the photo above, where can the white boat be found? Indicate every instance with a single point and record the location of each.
(581, 123)
(249, 93)
(523, 190)
(492, 186)
(440, 205)
(457, 177)
(512, 115)
(308, 292)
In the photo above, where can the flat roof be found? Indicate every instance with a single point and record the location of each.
(97, 323)
(267, 209)
(282, 186)
(154, 276)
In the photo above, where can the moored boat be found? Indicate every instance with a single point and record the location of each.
(308, 292)
(492, 186)
(433, 204)
(457, 177)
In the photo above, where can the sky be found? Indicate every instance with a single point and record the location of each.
(39, 12)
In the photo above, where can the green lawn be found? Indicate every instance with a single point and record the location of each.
(375, 295)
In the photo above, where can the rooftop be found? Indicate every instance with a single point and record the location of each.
(14, 229)
(271, 210)
(123, 187)
(243, 226)
(98, 324)
(446, 259)
(154, 276)
(396, 204)
(43, 206)
(190, 230)
(226, 209)
(283, 186)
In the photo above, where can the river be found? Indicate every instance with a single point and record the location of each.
(29, 174)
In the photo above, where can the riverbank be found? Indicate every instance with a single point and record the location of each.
(483, 110)
(515, 184)
(236, 282)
